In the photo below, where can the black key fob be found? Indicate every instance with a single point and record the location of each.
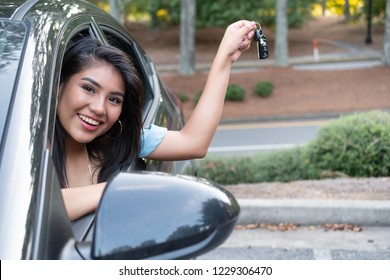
(262, 45)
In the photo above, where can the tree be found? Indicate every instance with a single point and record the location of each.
(281, 39)
(115, 11)
(347, 13)
(187, 37)
(368, 3)
(386, 44)
(323, 5)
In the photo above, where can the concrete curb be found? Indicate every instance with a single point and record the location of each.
(314, 212)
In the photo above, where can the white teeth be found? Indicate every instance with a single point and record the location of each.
(89, 120)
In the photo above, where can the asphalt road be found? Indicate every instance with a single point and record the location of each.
(249, 138)
(304, 243)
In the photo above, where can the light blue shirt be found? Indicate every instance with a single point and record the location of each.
(151, 137)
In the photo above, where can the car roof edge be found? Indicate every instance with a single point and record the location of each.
(21, 11)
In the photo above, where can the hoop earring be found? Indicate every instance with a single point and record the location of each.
(120, 132)
(120, 124)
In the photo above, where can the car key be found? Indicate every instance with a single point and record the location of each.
(262, 45)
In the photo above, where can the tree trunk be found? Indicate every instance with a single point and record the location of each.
(347, 14)
(323, 4)
(115, 11)
(187, 37)
(368, 6)
(386, 44)
(281, 39)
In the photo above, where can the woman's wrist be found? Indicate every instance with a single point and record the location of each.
(223, 60)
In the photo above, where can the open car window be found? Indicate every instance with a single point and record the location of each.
(83, 227)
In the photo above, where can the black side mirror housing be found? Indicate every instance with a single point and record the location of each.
(160, 216)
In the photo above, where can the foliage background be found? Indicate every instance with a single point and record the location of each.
(220, 13)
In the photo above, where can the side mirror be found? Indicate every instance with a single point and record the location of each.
(161, 216)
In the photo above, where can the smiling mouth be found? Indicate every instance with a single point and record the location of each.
(88, 120)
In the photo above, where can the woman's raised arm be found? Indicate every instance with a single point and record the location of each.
(194, 139)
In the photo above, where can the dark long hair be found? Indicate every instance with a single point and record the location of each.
(118, 148)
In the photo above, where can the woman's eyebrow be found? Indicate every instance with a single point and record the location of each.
(118, 93)
(92, 81)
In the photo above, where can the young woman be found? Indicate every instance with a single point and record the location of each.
(99, 117)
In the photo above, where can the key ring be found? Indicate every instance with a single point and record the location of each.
(258, 26)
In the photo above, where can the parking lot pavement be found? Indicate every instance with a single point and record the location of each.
(305, 243)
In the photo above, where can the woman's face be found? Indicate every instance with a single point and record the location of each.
(91, 102)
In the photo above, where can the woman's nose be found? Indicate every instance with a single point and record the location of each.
(97, 106)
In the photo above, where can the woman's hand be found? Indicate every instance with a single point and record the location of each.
(237, 39)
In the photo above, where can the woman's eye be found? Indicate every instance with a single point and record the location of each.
(115, 100)
(89, 89)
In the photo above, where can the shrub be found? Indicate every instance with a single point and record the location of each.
(182, 96)
(357, 145)
(264, 88)
(227, 170)
(235, 93)
(282, 166)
